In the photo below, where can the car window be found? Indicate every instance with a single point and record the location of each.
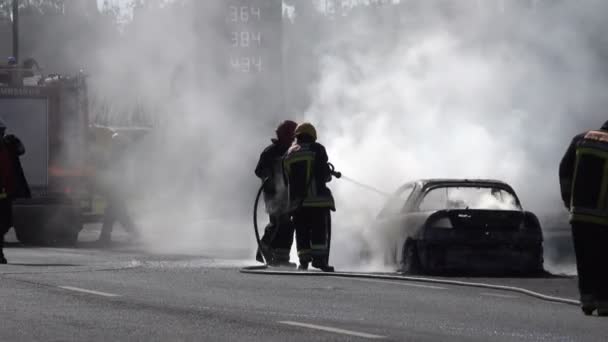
(469, 197)
(435, 199)
(397, 202)
(489, 198)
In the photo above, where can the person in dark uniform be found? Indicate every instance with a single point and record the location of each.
(12, 181)
(583, 174)
(278, 236)
(107, 149)
(310, 201)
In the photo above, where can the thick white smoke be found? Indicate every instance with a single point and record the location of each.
(480, 93)
(414, 89)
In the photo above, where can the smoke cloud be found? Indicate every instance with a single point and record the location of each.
(466, 91)
(406, 90)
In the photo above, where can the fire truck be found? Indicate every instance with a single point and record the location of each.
(50, 116)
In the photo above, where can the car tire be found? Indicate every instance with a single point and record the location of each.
(537, 267)
(410, 261)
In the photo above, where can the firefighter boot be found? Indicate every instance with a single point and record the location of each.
(322, 265)
(602, 308)
(588, 304)
(264, 254)
(2, 258)
(304, 261)
(281, 258)
(283, 263)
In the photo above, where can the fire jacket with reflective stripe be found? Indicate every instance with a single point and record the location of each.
(306, 173)
(583, 176)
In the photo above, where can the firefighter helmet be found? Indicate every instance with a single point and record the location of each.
(285, 130)
(101, 135)
(306, 128)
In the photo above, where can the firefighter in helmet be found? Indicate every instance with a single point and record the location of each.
(12, 181)
(307, 171)
(107, 149)
(583, 176)
(278, 235)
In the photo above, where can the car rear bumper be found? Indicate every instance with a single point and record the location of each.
(481, 257)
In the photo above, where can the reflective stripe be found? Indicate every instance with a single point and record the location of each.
(3, 195)
(592, 151)
(304, 252)
(599, 212)
(589, 219)
(318, 203)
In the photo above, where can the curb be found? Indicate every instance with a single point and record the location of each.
(265, 270)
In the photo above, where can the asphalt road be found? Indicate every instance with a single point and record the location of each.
(122, 293)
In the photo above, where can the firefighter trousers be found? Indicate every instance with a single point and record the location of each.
(116, 211)
(591, 249)
(313, 235)
(277, 239)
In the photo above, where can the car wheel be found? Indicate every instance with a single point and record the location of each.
(410, 262)
(588, 311)
(537, 266)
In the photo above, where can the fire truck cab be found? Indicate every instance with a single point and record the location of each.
(49, 114)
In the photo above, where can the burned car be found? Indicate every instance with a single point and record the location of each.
(450, 225)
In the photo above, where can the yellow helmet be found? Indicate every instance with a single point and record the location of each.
(306, 128)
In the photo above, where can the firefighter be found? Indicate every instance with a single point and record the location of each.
(107, 147)
(278, 236)
(583, 177)
(307, 171)
(12, 181)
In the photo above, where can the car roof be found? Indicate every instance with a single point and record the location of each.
(425, 183)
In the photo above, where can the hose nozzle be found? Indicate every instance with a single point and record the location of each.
(333, 172)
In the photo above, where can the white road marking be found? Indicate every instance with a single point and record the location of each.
(397, 283)
(489, 294)
(77, 289)
(333, 330)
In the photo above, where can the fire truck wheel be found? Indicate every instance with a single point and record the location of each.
(28, 237)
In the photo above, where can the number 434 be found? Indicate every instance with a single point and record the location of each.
(246, 64)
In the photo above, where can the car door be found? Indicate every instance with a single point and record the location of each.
(389, 230)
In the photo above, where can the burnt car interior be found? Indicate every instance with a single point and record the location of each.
(469, 197)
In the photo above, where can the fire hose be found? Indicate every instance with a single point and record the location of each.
(262, 269)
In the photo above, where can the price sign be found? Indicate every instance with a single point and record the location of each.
(254, 35)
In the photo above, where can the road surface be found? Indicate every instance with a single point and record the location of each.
(122, 293)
